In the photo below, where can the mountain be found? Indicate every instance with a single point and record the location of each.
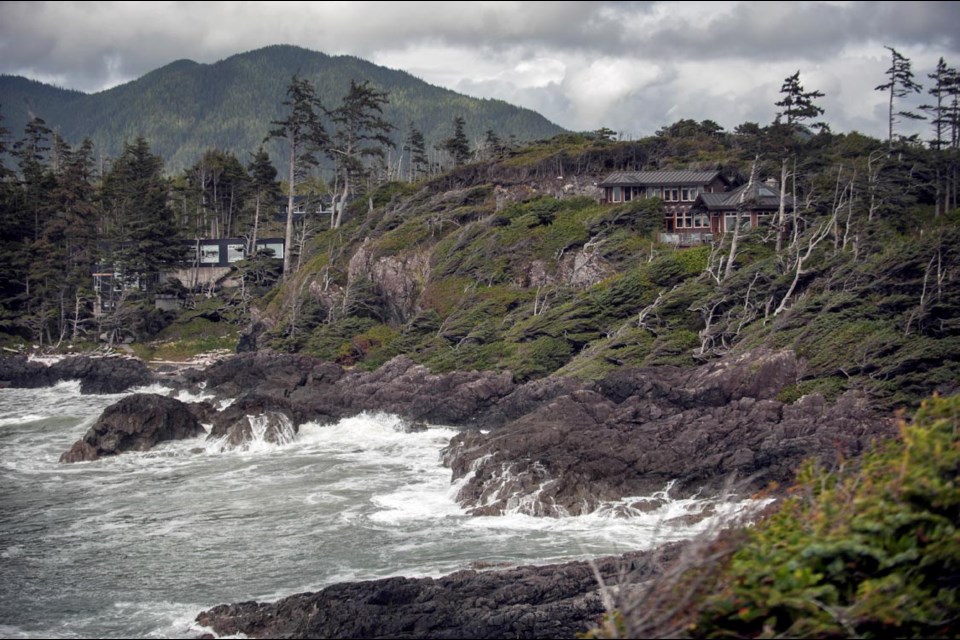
(185, 107)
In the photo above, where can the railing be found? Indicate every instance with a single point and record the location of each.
(687, 238)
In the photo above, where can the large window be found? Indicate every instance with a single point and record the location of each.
(731, 221)
(234, 252)
(276, 248)
(209, 254)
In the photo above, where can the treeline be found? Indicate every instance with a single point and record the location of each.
(70, 213)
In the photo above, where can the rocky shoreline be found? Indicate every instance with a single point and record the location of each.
(551, 447)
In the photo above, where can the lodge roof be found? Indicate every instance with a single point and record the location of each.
(659, 178)
(760, 196)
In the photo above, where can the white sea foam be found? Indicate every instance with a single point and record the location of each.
(131, 539)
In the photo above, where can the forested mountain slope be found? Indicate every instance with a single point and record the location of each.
(185, 108)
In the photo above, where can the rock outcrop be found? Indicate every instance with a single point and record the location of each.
(96, 375)
(135, 423)
(555, 601)
(640, 430)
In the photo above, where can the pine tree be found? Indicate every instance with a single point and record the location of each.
(492, 145)
(263, 182)
(798, 104)
(63, 256)
(900, 85)
(361, 133)
(142, 232)
(938, 112)
(458, 146)
(305, 135)
(419, 162)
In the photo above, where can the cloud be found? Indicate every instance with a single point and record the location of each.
(633, 66)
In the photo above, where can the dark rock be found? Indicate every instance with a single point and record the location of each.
(204, 412)
(555, 601)
(266, 373)
(636, 432)
(96, 375)
(410, 390)
(256, 416)
(135, 423)
(103, 375)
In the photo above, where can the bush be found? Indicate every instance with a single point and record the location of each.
(875, 553)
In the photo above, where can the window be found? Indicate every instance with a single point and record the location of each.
(209, 254)
(276, 248)
(701, 220)
(671, 195)
(731, 222)
(616, 195)
(627, 193)
(688, 194)
(234, 252)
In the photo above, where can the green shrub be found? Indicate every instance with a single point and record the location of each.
(873, 553)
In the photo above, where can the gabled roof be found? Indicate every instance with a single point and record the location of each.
(659, 178)
(760, 196)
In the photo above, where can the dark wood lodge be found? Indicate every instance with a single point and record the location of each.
(697, 205)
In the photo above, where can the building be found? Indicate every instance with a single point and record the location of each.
(677, 190)
(697, 205)
(210, 259)
(207, 260)
(758, 204)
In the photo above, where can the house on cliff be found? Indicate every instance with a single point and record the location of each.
(697, 205)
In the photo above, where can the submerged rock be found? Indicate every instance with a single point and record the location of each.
(135, 423)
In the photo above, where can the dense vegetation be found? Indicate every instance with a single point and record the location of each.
(870, 550)
(186, 108)
(497, 264)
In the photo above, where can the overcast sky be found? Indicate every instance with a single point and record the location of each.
(630, 66)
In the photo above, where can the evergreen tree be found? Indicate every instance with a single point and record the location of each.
(263, 182)
(900, 84)
(492, 145)
(63, 256)
(797, 104)
(31, 152)
(142, 233)
(458, 146)
(419, 162)
(938, 112)
(220, 183)
(361, 133)
(304, 135)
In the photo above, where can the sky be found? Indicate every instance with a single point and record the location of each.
(630, 66)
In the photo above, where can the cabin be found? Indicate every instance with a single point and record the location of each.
(677, 190)
(206, 261)
(758, 204)
(210, 260)
(697, 205)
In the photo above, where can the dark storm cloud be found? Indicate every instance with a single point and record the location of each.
(631, 65)
(812, 31)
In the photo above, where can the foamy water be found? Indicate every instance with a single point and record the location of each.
(136, 545)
